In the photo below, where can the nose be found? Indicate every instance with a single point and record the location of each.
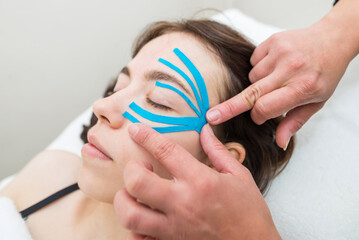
(108, 111)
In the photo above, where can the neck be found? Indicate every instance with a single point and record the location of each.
(96, 220)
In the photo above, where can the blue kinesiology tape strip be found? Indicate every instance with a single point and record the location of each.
(181, 94)
(184, 75)
(130, 117)
(187, 121)
(196, 74)
(184, 123)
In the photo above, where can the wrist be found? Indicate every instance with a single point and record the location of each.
(340, 27)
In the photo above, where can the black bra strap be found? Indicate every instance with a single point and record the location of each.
(25, 213)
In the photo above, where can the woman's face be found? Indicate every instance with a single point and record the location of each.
(101, 177)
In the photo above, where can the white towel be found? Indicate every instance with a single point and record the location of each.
(12, 226)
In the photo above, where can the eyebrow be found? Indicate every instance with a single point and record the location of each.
(159, 75)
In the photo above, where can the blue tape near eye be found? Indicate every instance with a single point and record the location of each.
(187, 121)
(181, 94)
(184, 123)
(180, 72)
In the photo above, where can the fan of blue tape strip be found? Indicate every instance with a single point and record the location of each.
(181, 123)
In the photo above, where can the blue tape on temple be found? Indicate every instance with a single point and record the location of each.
(184, 123)
(180, 72)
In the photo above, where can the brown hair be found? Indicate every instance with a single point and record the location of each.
(264, 158)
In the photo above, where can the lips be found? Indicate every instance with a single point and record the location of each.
(95, 148)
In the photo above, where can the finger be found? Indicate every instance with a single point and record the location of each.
(146, 186)
(218, 154)
(179, 162)
(138, 218)
(293, 121)
(278, 102)
(262, 69)
(259, 53)
(243, 101)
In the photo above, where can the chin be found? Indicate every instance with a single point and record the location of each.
(98, 185)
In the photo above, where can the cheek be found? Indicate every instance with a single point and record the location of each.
(127, 150)
(190, 141)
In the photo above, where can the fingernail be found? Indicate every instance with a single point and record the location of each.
(210, 130)
(213, 115)
(287, 143)
(133, 129)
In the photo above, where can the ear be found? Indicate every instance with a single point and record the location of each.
(237, 150)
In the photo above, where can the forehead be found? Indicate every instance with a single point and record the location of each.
(202, 57)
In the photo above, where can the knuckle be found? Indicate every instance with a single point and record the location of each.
(164, 150)
(261, 109)
(202, 186)
(205, 185)
(311, 85)
(252, 95)
(274, 38)
(296, 63)
(284, 48)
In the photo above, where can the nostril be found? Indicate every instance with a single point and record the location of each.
(103, 118)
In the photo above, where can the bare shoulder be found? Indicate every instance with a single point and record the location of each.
(46, 173)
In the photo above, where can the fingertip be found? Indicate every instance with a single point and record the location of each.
(213, 116)
(118, 200)
(208, 129)
(283, 136)
(133, 129)
(205, 137)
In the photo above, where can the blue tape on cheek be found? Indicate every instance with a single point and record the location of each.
(184, 123)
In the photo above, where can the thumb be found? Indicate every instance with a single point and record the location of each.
(218, 154)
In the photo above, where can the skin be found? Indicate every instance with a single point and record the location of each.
(301, 66)
(90, 213)
(187, 208)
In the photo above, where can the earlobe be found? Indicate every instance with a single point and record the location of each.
(237, 150)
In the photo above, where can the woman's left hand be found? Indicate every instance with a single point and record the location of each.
(199, 203)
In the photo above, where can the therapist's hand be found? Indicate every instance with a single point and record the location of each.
(199, 203)
(295, 72)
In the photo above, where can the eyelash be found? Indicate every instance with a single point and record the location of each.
(156, 105)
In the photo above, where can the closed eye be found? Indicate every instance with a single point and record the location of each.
(157, 105)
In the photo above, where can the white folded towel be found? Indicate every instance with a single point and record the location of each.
(12, 226)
